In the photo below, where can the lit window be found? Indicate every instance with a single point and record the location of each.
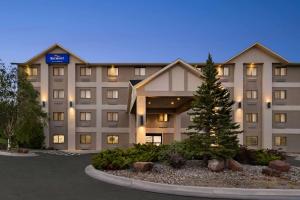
(85, 139)
(85, 71)
(58, 94)
(280, 117)
(112, 139)
(112, 94)
(280, 71)
(58, 139)
(280, 141)
(280, 94)
(251, 94)
(251, 71)
(251, 117)
(32, 71)
(192, 118)
(112, 71)
(58, 71)
(140, 71)
(163, 117)
(58, 116)
(223, 71)
(251, 140)
(155, 139)
(85, 94)
(85, 116)
(112, 116)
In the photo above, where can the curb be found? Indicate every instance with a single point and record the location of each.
(194, 191)
(4, 153)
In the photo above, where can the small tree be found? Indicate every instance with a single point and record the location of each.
(212, 125)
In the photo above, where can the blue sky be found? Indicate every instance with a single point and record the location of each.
(148, 30)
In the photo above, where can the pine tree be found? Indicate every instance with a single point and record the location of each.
(213, 126)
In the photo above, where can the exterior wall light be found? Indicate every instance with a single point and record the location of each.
(71, 104)
(141, 120)
(268, 105)
(43, 104)
(239, 104)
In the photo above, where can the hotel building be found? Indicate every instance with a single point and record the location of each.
(93, 106)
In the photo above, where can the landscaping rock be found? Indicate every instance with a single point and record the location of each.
(216, 165)
(279, 165)
(159, 168)
(194, 163)
(142, 166)
(21, 150)
(234, 165)
(271, 172)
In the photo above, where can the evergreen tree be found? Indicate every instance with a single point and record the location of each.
(212, 125)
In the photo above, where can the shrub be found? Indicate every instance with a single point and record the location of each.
(175, 160)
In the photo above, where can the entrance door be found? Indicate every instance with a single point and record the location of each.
(154, 138)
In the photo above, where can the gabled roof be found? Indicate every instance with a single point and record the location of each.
(184, 64)
(54, 46)
(264, 49)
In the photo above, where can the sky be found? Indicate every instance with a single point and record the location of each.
(148, 30)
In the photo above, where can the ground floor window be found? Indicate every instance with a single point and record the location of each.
(85, 139)
(58, 139)
(280, 141)
(251, 140)
(112, 139)
(152, 138)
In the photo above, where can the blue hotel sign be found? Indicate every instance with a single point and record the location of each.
(57, 58)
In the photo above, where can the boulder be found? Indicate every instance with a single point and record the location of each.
(279, 165)
(271, 172)
(234, 165)
(216, 165)
(21, 150)
(142, 166)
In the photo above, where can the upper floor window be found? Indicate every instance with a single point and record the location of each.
(85, 94)
(252, 140)
(112, 139)
(85, 71)
(280, 141)
(85, 116)
(58, 116)
(85, 139)
(32, 71)
(112, 71)
(280, 94)
(140, 71)
(163, 117)
(58, 94)
(251, 117)
(223, 71)
(58, 71)
(112, 116)
(251, 94)
(58, 139)
(280, 71)
(112, 94)
(280, 117)
(251, 71)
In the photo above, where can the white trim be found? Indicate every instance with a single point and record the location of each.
(228, 84)
(286, 107)
(115, 84)
(36, 84)
(286, 131)
(160, 130)
(86, 106)
(286, 84)
(114, 107)
(115, 130)
(86, 129)
(86, 84)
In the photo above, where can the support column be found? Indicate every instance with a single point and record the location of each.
(44, 94)
(140, 114)
(71, 110)
(132, 129)
(177, 134)
(99, 108)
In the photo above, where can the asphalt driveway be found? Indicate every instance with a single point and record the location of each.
(59, 177)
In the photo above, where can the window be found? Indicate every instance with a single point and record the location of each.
(223, 71)
(85, 116)
(251, 117)
(251, 71)
(85, 94)
(280, 117)
(58, 94)
(112, 94)
(280, 141)
(112, 139)
(155, 139)
(58, 71)
(32, 71)
(192, 118)
(58, 116)
(280, 94)
(58, 139)
(251, 94)
(85, 71)
(280, 71)
(85, 139)
(252, 140)
(163, 117)
(140, 71)
(112, 71)
(112, 116)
